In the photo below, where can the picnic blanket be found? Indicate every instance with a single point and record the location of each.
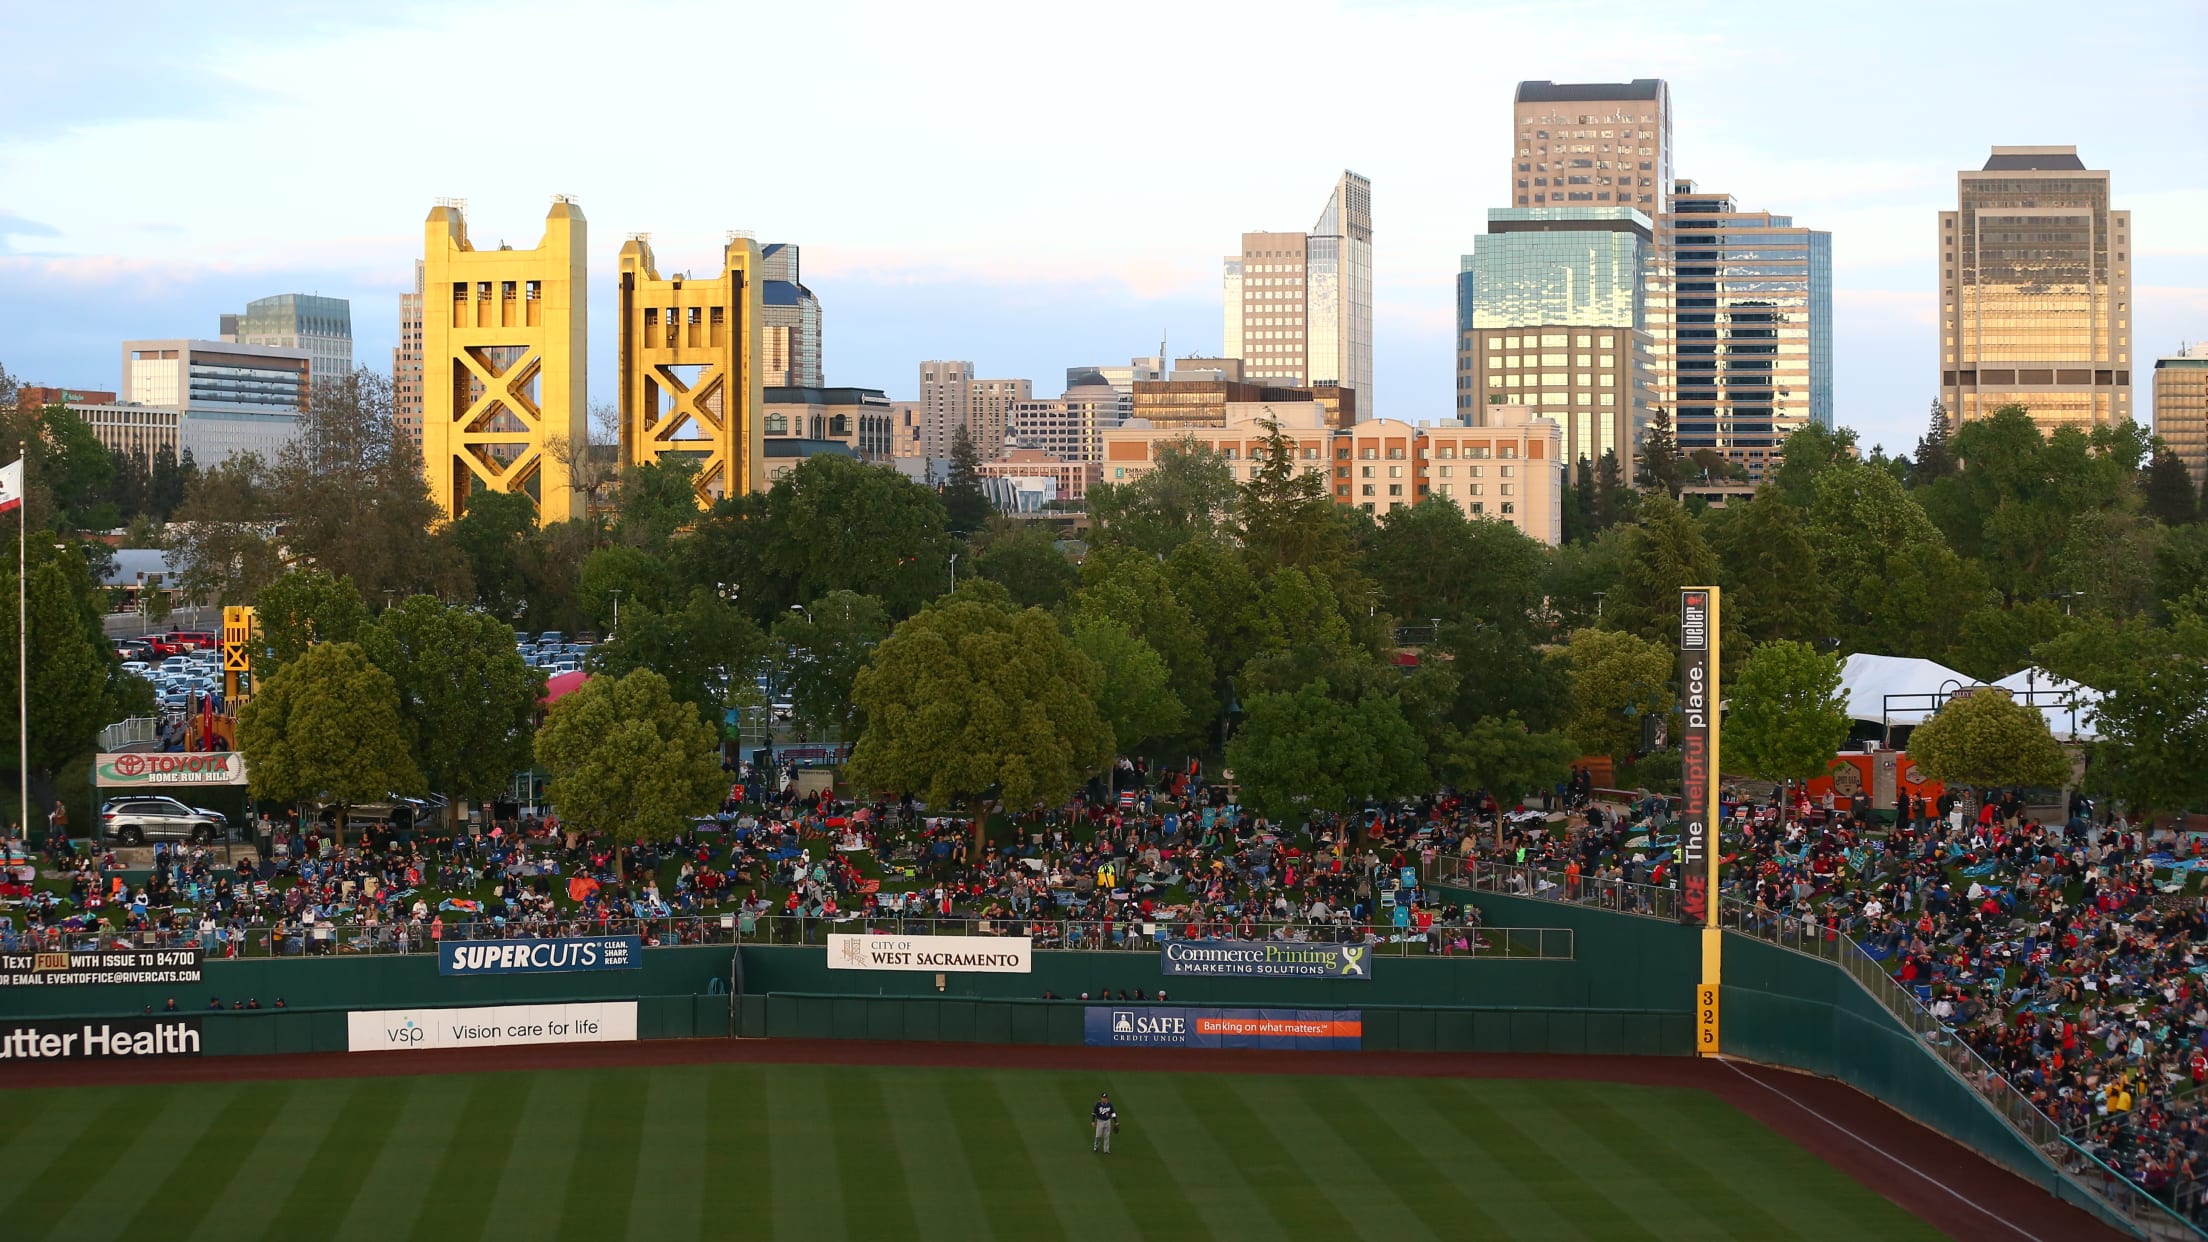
(460, 905)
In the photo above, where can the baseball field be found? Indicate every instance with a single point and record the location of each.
(829, 1151)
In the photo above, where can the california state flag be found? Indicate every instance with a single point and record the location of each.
(11, 485)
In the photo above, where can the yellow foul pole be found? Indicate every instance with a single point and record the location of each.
(1700, 703)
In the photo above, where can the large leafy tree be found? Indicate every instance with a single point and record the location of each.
(2013, 504)
(967, 700)
(302, 608)
(629, 759)
(1132, 589)
(2152, 719)
(1502, 756)
(836, 524)
(1309, 750)
(1788, 716)
(1618, 680)
(654, 501)
(352, 497)
(1188, 493)
(2171, 494)
(75, 685)
(825, 644)
(1429, 561)
(1988, 740)
(327, 727)
(965, 505)
(1133, 692)
(466, 701)
(493, 539)
(1664, 552)
(1768, 567)
(1808, 453)
(222, 539)
(1027, 563)
(1900, 590)
(702, 648)
(1288, 513)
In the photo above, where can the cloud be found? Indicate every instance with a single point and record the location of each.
(12, 225)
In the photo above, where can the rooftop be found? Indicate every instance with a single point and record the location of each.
(1545, 91)
(2034, 159)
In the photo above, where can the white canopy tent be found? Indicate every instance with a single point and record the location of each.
(2067, 705)
(1896, 691)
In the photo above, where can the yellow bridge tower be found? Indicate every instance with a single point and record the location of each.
(690, 368)
(504, 344)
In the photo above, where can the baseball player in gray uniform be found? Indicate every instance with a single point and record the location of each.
(1106, 1119)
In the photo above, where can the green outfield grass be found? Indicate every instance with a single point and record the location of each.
(823, 1153)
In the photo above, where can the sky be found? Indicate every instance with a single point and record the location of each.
(1029, 187)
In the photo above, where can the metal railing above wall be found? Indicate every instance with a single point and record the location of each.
(2152, 1216)
(1080, 935)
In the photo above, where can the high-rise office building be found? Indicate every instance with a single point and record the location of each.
(2035, 292)
(1552, 316)
(2181, 407)
(1299, 305)
(946, 389)
(791, 320)
(1591, 144)
(406, 366)
(989, 405)
(321, 326)
(1740, 309)
(229, 398)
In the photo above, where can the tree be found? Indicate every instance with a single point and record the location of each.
(628, 758)
(965, 505)
(326, 727)
(965, 700)
(1029, 565)
(1133, 694)
(1502, 672)
(1768, 567)
(1617, 681)
(76, 687)
(837, 524)
(302, 608)
(626, 575)
(2152, 717)
(1429, 561)
(2171, 498)
(703, 649)
(654, 500)
(1661, 467)
(68, 474)
(1900, 589)
(1132, 589)
(1502, 756)
(828, 642)
(223, 536)
(1788, 716)
(1307, 750)
(492, 538)
(1664, 552)
(1614, 494)
(466, 700)
(1987, 740)
(1288, 514)
(1935, 458)
(1807, 454)
(1188, 493)
(352, 497)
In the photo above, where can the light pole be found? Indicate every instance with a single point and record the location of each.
(803, 609)
(616, 593)
(1598, 602)
(954, 571)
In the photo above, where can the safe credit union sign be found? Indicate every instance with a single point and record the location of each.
(146, 770)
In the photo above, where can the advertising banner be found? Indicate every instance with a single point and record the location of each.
(168, 771)
(99, 1039)
(1265, 959)
(47, 969)
(1695, 650)
(1160, 1026)
(976, 955)
(491, 1026)
(540, 957)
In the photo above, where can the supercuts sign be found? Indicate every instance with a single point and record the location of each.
(1697, 705)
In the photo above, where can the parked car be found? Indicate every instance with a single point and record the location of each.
(395, 811)
(136, 820)
(193, 640)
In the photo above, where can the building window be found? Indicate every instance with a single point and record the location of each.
(1509, 508)
(1367, 490)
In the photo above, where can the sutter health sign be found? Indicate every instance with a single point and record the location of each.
(107, 1039)
(984, 955)
(492, 1026)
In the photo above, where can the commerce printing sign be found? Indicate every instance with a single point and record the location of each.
(492, 1026)
(140, 771)
(1159, 1026)
(1698, 705)
(99, 1039)
(977, 955)
(540, 957)
(1264, 959)
(47, 969)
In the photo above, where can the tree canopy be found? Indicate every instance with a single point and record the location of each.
(629, 759)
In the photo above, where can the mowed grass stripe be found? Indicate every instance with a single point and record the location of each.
(1228, 1205)
(1531, 1193)
(1378, 1199)
(671, 1157)
(877, 1198)
(331, 1169)
(1399, 1160)
(736, 1194)
(404, 1157)
(1267, 1163)
(1612, 1118)
(601, 1183)
(1013, 1195)
(203, 1164)
(473, 1152)
(40, 1203)
(1144, 1178)
(802, 1155)
(1822, 1202)
(917, 1114)
(525, 1199)
(1080, 1192)
(26, 1133)
(276, 1155)
(1525, 1151)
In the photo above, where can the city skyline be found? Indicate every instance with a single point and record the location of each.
(1010, 270)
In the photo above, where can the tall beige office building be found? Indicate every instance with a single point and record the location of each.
(1299, 305)
(2035, 292)
(2181, 407)
(406, 366)
(1592, 144)
(989, 405)
(945, 389)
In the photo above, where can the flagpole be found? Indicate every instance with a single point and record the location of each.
(23, 657)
